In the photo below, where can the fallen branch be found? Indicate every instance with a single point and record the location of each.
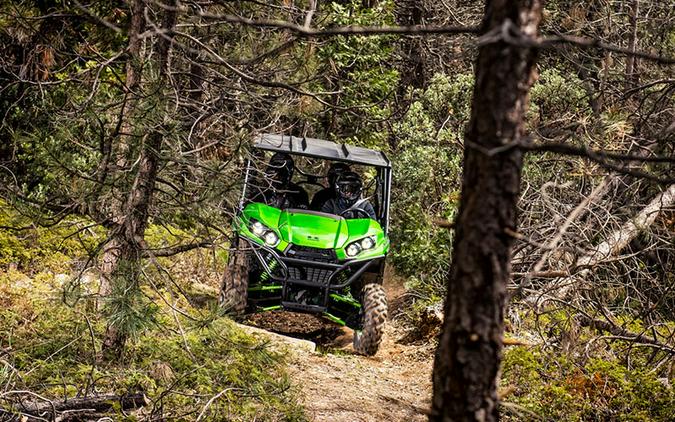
(443, 223)
(622, 333)
(97, 404)
(616, 241)
(537, 271)
(622, 237)
(541, 274)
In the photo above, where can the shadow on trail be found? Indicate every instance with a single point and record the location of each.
(323, 333)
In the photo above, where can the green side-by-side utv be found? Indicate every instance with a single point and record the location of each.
(309, 261)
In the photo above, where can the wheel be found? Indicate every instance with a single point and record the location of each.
(374, 305)
(234, 290)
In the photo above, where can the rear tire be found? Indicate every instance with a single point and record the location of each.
(234, 290)
(374, 302)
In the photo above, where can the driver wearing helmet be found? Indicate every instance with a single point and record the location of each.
(281, 192)
(322, 196)
(348, 187)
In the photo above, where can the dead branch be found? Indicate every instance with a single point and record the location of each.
(619, 239)
(212, 399)
(598, 192)
(542, 274)
(588, 43)
(616, 241)
(97, 404)
(443, 223)
(621, 332)
(545, 43)
(305, 31)
(603, 158)
(594, 154)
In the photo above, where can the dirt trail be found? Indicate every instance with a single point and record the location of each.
(339, 386)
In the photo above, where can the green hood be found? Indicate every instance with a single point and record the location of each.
(312, 229)
(315, 230)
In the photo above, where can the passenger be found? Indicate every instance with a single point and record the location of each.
(348, 187)
(281, 192)
(322, 196)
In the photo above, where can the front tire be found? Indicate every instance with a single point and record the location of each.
(234, 290)
(374, 305)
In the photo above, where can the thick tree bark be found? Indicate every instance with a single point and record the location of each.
(469, 352)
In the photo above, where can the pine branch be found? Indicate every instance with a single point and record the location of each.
(175, 250)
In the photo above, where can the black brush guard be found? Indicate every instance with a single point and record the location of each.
(313, 270)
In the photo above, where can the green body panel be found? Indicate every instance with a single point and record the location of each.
(316, 230)
(345, 299)
(333, 318)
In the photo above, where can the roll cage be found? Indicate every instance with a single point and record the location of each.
(329, 151)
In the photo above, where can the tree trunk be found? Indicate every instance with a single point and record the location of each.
(632, 75)
(469, 352)
(412, 69)
(124, 251)
(111, 251)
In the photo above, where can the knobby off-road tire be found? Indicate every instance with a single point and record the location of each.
(234, 291)
(374, 302)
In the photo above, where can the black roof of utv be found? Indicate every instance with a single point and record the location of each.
(319, 148)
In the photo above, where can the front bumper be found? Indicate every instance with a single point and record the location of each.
(307, 280)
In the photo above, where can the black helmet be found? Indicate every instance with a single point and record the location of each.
(335, 170)
(348, 185)
(279, 170)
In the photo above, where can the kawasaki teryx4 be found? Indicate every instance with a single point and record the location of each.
(308, 261)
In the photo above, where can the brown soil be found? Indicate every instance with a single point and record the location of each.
(340, 386)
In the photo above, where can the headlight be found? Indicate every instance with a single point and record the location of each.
(368, 242)
(262, 231)
(271, 238)
(258, 229)
(355, 248)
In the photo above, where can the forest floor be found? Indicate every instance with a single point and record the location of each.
(338, 385)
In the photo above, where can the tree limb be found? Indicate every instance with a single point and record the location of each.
(593, 154)
(614, 329)
(175, 250)
(97, 403)
(617, 241)
(305, 31)
(622, 237)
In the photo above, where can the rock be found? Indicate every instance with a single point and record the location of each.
(280, 342)
(61, 279)
(201, 294)
(162, 372)
(204, 289)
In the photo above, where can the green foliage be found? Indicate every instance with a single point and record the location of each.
(574, 375)
(551, 386)
(33, 248)
(427, 181)
(557, 95)
(54, 348)
(127, 309)
(352, 69)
